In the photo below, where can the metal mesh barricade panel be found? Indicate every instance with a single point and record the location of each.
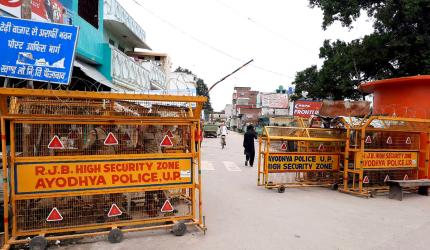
(300, 157)
(304, 132)
(55, 106)
(85, 210)
(100, 139)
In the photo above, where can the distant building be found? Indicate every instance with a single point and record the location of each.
(228, 110)
(218, 116)
(244, 107)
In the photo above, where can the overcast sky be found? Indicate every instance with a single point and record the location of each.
(214, 37)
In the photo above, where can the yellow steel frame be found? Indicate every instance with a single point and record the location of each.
(357, 187)
(264, 152)
(196, 217)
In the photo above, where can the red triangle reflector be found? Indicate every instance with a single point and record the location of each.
(406, 177)
(55, 143)
(366, 180)
(54, 215)
(284, 146)
(321, 147)
(110, 140)
(387, 178)
(368, 139)
(167, 207)
(166, 142)
(169, 134)
(114, 211)
(389, 140)
(408, 140)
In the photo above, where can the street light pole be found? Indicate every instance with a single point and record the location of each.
(225, 77)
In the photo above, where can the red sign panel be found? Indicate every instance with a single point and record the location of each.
(114, 211)
(54, 215)
(306, 108)
(167, 207)
(110, 140)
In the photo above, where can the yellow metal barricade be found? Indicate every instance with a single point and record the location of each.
(86, 164)
(300, 157)
(384, 148)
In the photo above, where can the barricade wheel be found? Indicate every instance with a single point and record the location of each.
(335, 186)
(38, 243)
(269, 184)
(179, 229)
(115, 235)
(281, 189)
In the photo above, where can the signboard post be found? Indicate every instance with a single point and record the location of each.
(37, 51)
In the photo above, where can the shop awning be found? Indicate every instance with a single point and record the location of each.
(93, 73)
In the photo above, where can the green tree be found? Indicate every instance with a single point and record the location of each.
(399, 46)
(201, 88)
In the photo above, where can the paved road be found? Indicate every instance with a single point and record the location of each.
(240, 215)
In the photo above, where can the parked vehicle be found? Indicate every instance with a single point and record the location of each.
(210, 130)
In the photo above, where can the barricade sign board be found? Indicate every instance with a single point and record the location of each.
(302, 162)
(37, 50)
(377, 160)
(65, 176)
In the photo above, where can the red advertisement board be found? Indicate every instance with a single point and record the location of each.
(12, 7)
(306, 108)
(54, 11)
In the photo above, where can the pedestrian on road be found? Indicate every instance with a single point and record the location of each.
(223, 132)
(198, 136)
(248, 144)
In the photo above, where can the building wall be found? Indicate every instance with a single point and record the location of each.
(91, 43)
(228, 110)
(118, 42)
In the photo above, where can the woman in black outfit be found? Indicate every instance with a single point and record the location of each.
(248, 144)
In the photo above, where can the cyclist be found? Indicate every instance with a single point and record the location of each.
(223, 132)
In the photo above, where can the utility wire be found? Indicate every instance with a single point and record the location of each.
(207, 44)
(264, 27)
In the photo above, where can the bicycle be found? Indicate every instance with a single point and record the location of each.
(223, 144)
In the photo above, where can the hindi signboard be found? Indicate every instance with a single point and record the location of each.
(36, 50)
(274, 100)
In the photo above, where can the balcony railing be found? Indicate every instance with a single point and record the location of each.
(115, 12)
(134, 76)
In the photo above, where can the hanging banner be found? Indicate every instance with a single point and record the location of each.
(388, 160)
(93, 175)
(54, 11)
(37, 50)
